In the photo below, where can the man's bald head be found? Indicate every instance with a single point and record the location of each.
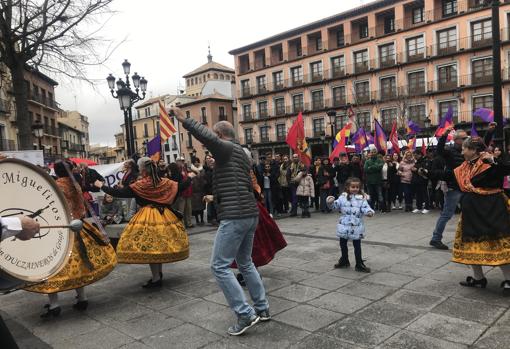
(224, 130)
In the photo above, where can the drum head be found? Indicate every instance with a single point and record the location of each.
(27, 190)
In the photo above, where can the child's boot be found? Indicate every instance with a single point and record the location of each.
(343, 262)
(361, 267)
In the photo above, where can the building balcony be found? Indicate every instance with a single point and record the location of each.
(338, 72)
(361, 67)
(7, 144)
(388, 94)
(316, 77)
(388, 61)
(264, 139)
(463, 6)
(317, 105)
(43, 100)
(281, 138)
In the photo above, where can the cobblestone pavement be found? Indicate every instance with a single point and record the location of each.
(411, 299)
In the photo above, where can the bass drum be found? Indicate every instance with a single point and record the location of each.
(26, 190)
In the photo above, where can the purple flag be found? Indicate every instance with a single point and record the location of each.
(380, 137)
(485, 114)
(412, 127)
(154, 148)
(473, 130)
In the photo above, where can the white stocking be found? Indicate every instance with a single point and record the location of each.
(80, 292)
(53, 300)
(477, 272)
(155, 270)
(506, 273)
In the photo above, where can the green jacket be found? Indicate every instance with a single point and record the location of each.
(373, 170)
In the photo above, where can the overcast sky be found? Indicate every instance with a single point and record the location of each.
(167, 39)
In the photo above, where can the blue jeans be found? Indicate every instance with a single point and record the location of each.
(268, 200)
(451, 200)
(234, 240)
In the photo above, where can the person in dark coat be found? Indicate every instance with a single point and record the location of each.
(325, 183)
(343, 171)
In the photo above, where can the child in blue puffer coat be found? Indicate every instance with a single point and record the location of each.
(353, 205)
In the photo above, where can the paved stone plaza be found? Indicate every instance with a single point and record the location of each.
(411, 299)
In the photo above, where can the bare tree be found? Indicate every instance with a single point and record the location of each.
(47, 34)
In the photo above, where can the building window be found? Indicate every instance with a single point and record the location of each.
(261, 84)
(363, 30)
(362, 92)
(418, 114)
(297, 103)
(416, 81)
(443, 108)
(281, 132)
(340, 40)
(338, 66)
(296, 75)
(483, 102)
(278, 80)
(318, 127)
(188, 114)
(339, 98)
(317, 100)
(415, 48)
(316, 71)
(364, 120)
(147, 112)
(222, 115)
(262, 109)
(317, 41)
(145, 130)
(447, 41)
(418, 15)
(481, 71)
(248, 135)
(340, 122)
(447, 77)
(389, 24)
(361, 61)
(264, 134)
(203, 114)
(449, 8)
(247, 112)
(388, 88)
(189, 142)
(387, 55)
(279, 106)
(481, 33)
(245, 87)
(388, 116)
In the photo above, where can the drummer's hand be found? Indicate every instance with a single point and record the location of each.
(98, 184)
(29, 227)
(192, 174)
(488, 158)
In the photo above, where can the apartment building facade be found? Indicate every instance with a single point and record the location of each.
(42, 107)
(390, 60)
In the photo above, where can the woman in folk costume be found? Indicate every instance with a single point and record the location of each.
(483, 232)
(92, 258)
(154, 235)
(268, 238)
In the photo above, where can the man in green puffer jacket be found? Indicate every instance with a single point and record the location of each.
(373, 177)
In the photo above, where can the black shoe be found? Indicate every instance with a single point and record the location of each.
(81, 305)
(362, 268)
(293, 214)
(472, 282)
(240, 279)
(506, 290)
(342, 263)
(264, 315)
(55, 312)
(153, 284)
(438, 244)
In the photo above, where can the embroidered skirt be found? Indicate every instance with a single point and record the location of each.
(485, 250)
(77, 272)
(153, 236)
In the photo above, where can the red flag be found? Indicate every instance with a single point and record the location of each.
(424, 145)
(340, 147)
(297, 141)
(394, 138)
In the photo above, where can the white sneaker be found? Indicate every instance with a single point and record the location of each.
(393, 207)
(425, 211)
(416, 210)
(399, 207)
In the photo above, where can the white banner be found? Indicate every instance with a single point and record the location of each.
(112, 173)
(35, 157)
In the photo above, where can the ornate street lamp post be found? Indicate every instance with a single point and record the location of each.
(127, 98)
